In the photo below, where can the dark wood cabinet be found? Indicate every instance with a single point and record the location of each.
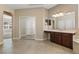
(52, 37)
(58, 38)
(65, 39)
(55, 37)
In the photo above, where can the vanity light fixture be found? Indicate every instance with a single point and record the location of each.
(61, 14)
(53, 15)
(58, 15)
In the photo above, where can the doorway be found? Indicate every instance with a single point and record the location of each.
(7, 28)
(27, 27)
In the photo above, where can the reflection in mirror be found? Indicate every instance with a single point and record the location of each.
(64, 21)
(5, 23)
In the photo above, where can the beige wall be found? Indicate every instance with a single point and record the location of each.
(62, 8)
(3, 8)
(39, 13)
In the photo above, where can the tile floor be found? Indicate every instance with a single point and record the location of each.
(76, 47)
(32, 47)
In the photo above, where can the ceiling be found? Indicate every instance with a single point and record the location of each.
(21, 6)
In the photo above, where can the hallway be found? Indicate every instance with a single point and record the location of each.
(32, 47)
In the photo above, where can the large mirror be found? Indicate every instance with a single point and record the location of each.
(64, 21)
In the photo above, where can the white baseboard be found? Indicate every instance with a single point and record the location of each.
(16, 38)
(40, 39)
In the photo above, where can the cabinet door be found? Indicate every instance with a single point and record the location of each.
(52, 37)
(67, 40)
(58, 38)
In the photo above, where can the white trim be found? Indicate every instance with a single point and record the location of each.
(78, 17)
(40, 39)
(11, 22)
(16, 38)
(43, 23)
(19, 28)
(1, 14)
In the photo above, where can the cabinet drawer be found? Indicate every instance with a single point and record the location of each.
(57, 34)
(67, 35)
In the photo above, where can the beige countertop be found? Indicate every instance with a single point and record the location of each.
(63, 31)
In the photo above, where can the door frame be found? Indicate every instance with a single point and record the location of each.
(20, 29)
(9, 14)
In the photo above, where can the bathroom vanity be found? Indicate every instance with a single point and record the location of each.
(61, 37)
(61, 29)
